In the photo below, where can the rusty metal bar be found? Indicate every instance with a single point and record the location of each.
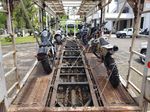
(146, 11)
(12, 70)
(8, 54)
(15, 59)
(79, 109)
(12, 87)
(73, 83)
(137, 89)
(27, 75)
(139, 54)
(137, 71)
(136, 29)
(72, 74)
(92, 91)
(52, 103)
(72, 67)
(72, 57)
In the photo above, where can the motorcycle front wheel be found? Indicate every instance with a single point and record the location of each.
(112, 71)
(47, 66)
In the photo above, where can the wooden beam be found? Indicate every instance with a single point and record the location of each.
(72, 109)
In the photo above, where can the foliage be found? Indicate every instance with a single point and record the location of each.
(8, 39)
(20, 20)
(2, 20)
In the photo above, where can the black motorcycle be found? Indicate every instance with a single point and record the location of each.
(104, 50)
(46, 53)
(58, 37)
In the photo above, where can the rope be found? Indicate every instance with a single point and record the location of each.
(107, 81)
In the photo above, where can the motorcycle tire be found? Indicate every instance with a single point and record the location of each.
(114, 78)
(46, 66)
(113, 71)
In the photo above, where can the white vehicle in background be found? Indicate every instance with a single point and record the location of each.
(143, 49)
(124, 33)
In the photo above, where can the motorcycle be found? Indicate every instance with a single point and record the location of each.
(46, 52)
(104, 50)
(58, 37)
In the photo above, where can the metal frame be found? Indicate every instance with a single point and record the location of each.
(18, 84)
(3, 90)
(139, 6)
(143, 103)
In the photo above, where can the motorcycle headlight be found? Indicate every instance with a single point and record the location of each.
(45, 33)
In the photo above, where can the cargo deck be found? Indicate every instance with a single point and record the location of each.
(59, 91)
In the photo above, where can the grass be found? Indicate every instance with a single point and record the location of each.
(18, 40)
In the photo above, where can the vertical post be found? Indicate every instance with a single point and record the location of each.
(102, 15)
(55, 24)
(137, 15)
(40, 19)
(142, 102)
(3, 90)
(74, 30)
(66, 29)
(49, 23)
(9, 26)
(9, 22)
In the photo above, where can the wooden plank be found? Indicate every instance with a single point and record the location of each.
(77, 109)
(110, 96)
(33, 93)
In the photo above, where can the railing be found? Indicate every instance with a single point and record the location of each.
(18, 84)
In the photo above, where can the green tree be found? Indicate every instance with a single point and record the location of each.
(2, 20)
(20, 20)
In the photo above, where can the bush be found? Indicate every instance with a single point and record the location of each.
(8, 39)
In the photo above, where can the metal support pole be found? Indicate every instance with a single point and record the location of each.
(15, 60)
(137, 17)
(9, 26)
(74, 30)
(143, 103)
(9, 22)
(47, 21)
(3, 89)
(114, 27)
(40, 19)
(66, 30)
(55, 24)
(102, 18)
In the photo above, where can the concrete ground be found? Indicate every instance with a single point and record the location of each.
(25, 59)
(122, 58)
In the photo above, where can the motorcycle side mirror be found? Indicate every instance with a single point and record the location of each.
(115, 48)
